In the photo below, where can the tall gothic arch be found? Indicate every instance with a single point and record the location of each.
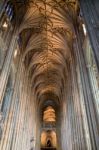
(49, 75)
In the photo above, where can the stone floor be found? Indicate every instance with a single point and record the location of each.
(48, 148)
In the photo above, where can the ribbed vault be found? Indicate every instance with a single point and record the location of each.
(46, 35)
(49, 93)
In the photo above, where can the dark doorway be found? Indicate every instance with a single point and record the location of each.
(49, 143)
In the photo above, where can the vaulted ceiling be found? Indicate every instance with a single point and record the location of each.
(46, 33)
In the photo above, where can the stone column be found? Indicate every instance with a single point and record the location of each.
(6, 68)
(90, 13)
(88, 96)
(72, 132)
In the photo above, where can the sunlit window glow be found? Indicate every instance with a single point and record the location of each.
(5, 25)
(15, 53)
(84, 29)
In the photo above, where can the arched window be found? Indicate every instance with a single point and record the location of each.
(9, 9)
(49, 114)
(6, 31)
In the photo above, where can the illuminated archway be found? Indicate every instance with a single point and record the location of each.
(48, 139)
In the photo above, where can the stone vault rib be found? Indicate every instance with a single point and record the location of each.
(49, 45)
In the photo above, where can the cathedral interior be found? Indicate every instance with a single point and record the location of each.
(49, 75)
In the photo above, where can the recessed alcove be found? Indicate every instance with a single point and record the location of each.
(49, 120)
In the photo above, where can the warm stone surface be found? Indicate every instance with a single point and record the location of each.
(49, 77)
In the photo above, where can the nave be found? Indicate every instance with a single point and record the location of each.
(49, 75)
